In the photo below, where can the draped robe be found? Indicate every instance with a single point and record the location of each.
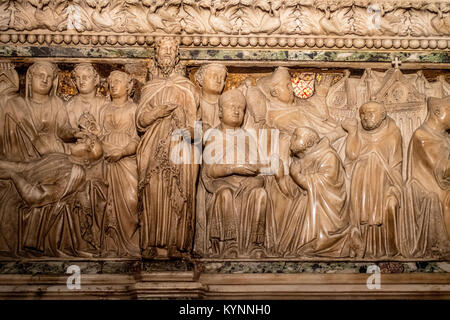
(32, 129)
(121, 220)
(166, 188)
(53, 222)
(286, 118)
(427, 216)
(318, 224)
(234, 206)
(78, 105)
(376, 175)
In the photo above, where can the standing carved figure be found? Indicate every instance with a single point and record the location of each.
(84, 113)
(86, 80)
(120, 140)
(428, 186)
(374, 155)
(9, 224)
(211, 78)
(168, 104)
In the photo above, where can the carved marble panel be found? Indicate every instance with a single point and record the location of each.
(165, 160)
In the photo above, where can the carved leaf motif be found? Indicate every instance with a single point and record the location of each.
(396, 22)
(309, 20)
(20, 17)
(5, 16)
(258, 21)
(289, 23)
(39, 3)
(224, 21)
(372, 23)
(166, 19)
(340, 22)
(424, 23)
(196, 20)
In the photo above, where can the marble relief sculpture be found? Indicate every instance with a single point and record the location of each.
(169, 102)
(427, 217)
(318, 222)
(49, 188)
(87, 81)
(37, 124)
(211, 79)
(374, 161)
(120, 140)
(236, 201)
(358, 170)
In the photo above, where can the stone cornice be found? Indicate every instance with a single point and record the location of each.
(298, 24)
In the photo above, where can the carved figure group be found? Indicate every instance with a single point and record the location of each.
(270, 175)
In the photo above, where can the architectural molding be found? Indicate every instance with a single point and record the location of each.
(305, 24)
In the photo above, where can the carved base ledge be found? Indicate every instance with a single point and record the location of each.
(184, 285)
(226, 280)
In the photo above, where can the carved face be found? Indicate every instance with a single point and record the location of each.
(85, 80)
(118, 85)
(214, 80)
(301, 142)
(42, 80)
(444, 115)
(283, 90)
(86, 149)
(80, 149)
(233, 111)
(166, 54)
(372, 115)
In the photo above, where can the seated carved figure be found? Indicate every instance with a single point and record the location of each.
(54, 219)
(273, 105)
(374, 156)
(37, 124)
(427, 224)
(236, 200)
(318, 221)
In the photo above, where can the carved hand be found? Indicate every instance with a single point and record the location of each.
(350, 125)
(246, 169)
(79, 134)
(114, 156)
(295, 168)
(166, 110)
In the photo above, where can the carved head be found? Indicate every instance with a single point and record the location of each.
(41, 78)
(120, 84)
(372, 115)
(303, 139)
(279, 85)
(211, 77)
(87, 150)
(167, 54)
(439, 109)
(9, 79)
(232, 105)
(86, 78)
